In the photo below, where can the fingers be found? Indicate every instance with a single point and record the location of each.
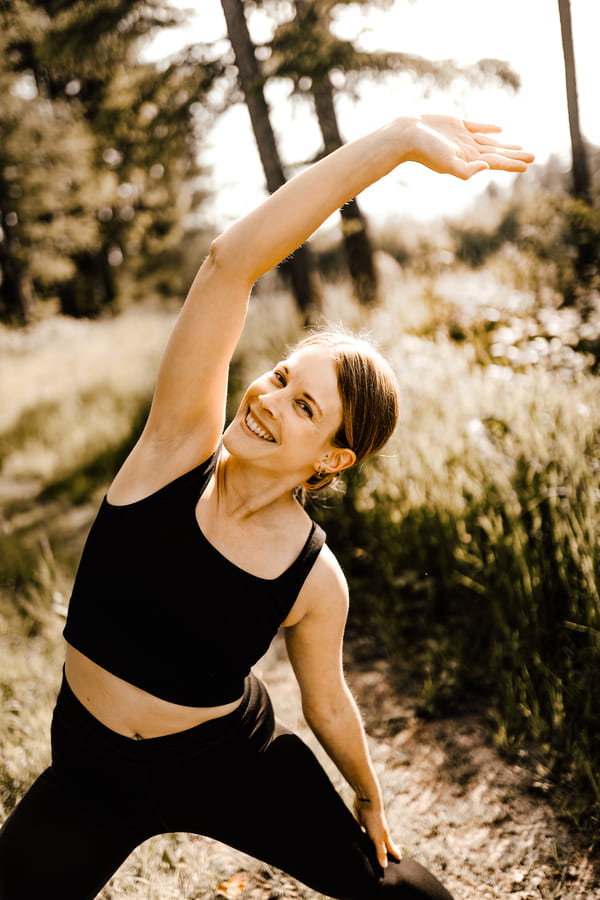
(374, 824)
(490, 144)
(487, 141)
(512, 151)
(509, 161)
(381, 841)
(386, 848)
(481, 128)
(393, 850)
(497, 158)
(382, 857)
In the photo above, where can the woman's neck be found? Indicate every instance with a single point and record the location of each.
(244, 490)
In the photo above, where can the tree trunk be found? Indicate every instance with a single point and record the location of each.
(357, 245)
(16, 290)
(299, 267)
(92, 290)
(581, 175)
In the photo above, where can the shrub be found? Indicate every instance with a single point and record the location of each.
(557, 236)
(564, 232)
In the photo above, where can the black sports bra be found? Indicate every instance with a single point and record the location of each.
(157, 605)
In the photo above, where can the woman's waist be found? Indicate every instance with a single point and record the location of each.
(129, 710)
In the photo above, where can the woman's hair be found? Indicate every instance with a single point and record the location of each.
(369, 393)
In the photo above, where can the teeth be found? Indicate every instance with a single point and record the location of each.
(257, 429)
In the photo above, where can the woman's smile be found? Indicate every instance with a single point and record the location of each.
(257, 427)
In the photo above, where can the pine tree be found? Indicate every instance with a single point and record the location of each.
(305, 49)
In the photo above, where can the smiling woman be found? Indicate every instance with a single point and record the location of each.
(160, 724)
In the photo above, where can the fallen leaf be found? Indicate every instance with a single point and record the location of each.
(233, 887)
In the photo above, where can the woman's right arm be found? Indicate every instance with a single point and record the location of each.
(188, 406)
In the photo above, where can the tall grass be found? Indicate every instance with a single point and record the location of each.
(70, 390)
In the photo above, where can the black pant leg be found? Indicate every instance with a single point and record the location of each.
(409, 880)
(54, 848)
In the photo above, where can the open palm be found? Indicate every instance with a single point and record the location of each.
(461, 148)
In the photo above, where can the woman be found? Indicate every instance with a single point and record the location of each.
(200, 551)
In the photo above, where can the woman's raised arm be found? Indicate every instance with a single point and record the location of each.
(188, 406)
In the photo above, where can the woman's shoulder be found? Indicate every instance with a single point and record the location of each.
(326, 569)
(324, 593)
(327, 576)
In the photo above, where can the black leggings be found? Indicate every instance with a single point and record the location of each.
(240, 779)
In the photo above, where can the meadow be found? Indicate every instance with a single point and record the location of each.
(471, 544)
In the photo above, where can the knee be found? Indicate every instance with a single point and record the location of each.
(409, 880)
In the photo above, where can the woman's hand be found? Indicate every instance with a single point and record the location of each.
(371, 817)
(461, 148)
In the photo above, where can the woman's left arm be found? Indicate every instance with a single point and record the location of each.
(314, 645)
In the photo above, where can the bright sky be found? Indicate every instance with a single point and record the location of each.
(526, 33)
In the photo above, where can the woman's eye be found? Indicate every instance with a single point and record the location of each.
(280, 377)
(305, 408)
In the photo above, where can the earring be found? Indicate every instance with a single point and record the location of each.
(323, 471)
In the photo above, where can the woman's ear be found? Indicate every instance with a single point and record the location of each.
(338, 459)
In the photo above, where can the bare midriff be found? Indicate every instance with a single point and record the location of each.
(127, 709)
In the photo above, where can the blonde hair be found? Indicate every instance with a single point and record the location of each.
(369, 393)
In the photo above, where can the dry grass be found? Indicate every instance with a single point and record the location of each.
(69, 388)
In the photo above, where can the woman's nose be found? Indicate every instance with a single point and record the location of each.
(267, 403)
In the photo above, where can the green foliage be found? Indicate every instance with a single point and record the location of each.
(81, 483)
(17, 563)
(563, 233)
(557, 237)
(98, 162)
(46, 156)
(94, 427)
(305, 49)
(474, 244)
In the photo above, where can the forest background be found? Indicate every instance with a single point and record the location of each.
(471, 545)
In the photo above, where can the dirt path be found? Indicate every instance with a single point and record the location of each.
(481, 824)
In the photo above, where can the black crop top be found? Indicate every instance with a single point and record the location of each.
(157, 605)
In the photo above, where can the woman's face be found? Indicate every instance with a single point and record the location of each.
(289, 416)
